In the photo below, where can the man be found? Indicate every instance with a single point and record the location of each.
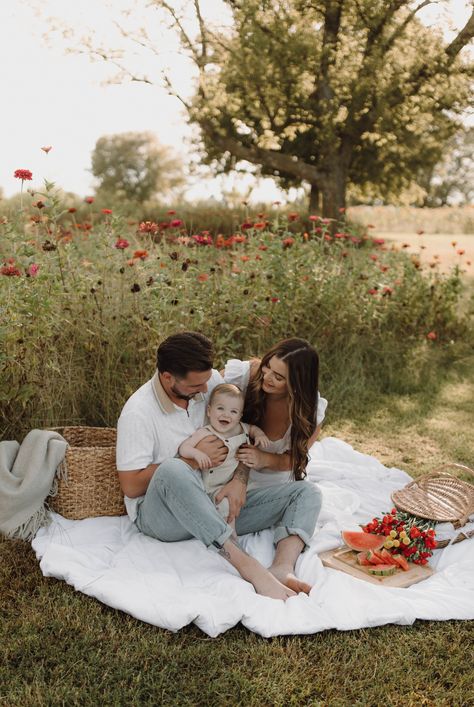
(165, 496)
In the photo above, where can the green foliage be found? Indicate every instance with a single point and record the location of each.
(330, 93)
(79, 330)
(452, 179)
(131, 168)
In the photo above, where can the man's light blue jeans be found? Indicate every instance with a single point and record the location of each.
(177, 507)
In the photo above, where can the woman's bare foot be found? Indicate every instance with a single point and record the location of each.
(284, 575)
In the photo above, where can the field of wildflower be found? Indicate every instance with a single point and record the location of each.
(86, 295)
(85, 302)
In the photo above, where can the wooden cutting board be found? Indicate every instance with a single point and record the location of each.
(345, 559)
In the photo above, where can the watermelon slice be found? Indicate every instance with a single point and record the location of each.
(401, 562)
(382, 570)
(387, 557)
(362, 559)
(374, 559)
(362, 541)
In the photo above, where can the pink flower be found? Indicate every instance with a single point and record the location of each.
(314, 218)
(176, 223)
(432, 336)
(23, 174)
(32, 270)
(148, 227)
(121, 244)
(89, 199)
(107, 212)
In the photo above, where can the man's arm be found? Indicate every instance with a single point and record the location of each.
(235, 491)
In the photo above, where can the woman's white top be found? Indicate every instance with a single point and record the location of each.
(238, 373)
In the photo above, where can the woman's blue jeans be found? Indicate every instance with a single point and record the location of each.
(177, 507)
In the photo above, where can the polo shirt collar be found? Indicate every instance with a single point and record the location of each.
(167, 405)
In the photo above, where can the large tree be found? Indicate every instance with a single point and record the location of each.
(134, 167)
(327, 92)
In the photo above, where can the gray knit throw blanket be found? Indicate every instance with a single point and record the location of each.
(28, 475)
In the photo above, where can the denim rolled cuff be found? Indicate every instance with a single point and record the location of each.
(218, 543)
(281, 532)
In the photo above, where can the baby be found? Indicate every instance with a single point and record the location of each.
(224, 412)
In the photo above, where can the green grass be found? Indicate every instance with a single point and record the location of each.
(60, 647)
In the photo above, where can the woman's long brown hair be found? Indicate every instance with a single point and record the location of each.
(303, 373)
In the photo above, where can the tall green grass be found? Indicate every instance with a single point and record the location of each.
(81, 318)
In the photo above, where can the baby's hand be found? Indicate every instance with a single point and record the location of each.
(202, 459)
(261, 440)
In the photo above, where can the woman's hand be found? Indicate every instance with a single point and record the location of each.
(252, 457)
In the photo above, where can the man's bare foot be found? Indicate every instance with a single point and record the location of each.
(289, 579)
(268, 585)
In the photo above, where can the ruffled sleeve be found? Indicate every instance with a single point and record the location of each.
(321, 411)
(238, 373)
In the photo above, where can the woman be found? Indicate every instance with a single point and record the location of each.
(282, 398)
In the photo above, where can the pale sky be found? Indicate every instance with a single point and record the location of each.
(52, 97)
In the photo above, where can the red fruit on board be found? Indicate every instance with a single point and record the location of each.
(401, 562)
(374, 559)
(387, 557)
(362, 541)
(362, 559)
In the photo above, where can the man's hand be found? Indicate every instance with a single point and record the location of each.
(235, 491)
(215, 449)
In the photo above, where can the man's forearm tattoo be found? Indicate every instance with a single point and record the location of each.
(224, 553)
(242, 473)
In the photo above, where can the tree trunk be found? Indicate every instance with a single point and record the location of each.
(314, 199)
(334, 192)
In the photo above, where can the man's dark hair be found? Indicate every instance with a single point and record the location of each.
(184, 352)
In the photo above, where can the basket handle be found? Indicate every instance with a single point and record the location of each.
(460, 467)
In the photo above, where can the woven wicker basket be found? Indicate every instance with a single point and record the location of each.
(91, 487)
(438, 496)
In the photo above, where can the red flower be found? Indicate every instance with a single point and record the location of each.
(107, 211)
(274, 299)
(340, 235)
(142, 254)
(387, 291)
(374, 257)
(432, 336)
(287, 242)
(378, 241)
(171, 212)
(238, 238)
(263, 247)
(89, 199)
(373, 291)
(202, 277)
(246, 225)
(72, 210)
(314, 218)
(121, 244)
(176, 223)
(260, 225)
(293, 216)
(10, 271)
(23, 174)
(461, 251)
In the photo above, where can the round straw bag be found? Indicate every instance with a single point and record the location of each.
(438, 496)
(88, 484)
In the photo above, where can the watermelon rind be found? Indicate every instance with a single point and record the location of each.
(382, 570)
(362, 541)
(374, 559)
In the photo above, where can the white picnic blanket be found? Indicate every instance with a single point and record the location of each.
(173, 584)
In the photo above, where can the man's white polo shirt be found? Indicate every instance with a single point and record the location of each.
(151, 427)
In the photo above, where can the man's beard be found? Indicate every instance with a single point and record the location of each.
(181, 395)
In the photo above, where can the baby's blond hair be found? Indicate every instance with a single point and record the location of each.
(226, 389)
